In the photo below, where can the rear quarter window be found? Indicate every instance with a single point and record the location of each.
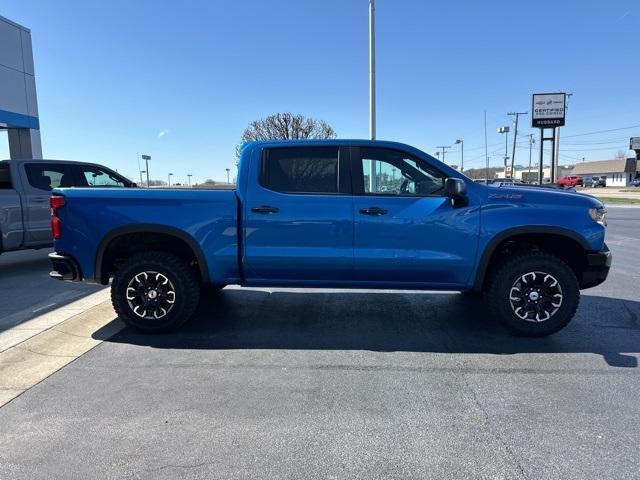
(301, 170)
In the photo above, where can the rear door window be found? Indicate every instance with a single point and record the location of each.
(5, 176)
(47, 176)
(301, 170)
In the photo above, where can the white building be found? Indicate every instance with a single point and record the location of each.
(619, 172)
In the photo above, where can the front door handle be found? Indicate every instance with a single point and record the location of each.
(265, 209)
(373, 211)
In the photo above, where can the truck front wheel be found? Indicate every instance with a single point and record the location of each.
(155, 292)
(533, 294)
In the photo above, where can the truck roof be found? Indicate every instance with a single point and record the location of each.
(314, 142)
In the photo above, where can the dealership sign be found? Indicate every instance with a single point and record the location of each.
(548, 110)
(634, 143)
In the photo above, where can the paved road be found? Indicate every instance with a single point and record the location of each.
(335, 384)
(26, 289)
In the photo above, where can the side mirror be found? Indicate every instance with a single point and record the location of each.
(456, 190)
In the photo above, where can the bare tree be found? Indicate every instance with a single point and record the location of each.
(285, 126)
(621, 155)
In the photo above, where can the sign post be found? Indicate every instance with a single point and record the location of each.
(634, 144)
(548, 112)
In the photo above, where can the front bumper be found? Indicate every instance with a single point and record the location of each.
(597, 269)
(64, 268)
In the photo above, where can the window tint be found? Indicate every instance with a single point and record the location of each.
(5, 176)
(46, 176)
(96, 177)
(304, 170)
(392, 172)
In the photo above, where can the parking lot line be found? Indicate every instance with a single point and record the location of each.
(47, 345)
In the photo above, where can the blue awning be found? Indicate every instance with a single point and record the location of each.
(17, 120)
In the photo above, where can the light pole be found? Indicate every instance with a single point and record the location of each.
(169, 178)
(372, 69)
(461, 142)
(228, 169)
(146, 158)
(505, 130)
(189, 177)
(515, 137)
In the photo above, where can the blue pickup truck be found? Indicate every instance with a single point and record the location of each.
(338, 213)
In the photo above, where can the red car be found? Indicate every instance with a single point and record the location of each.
(570, 181)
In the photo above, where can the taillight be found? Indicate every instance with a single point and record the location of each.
(57, 202)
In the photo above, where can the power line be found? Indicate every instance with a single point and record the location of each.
(602, 131)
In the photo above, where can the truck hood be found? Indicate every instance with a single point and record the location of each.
(533, 195)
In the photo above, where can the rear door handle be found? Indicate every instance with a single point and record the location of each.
(373, 211)
(265, 209)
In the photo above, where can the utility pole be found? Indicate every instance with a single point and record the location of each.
(531, 142)
(372, 69)
(515, 137)
(146, 158)
(443, 147)
(486, 155)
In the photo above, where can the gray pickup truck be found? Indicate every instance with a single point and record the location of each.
(25, 218)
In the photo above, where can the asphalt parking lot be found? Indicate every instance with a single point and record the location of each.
(347, 384)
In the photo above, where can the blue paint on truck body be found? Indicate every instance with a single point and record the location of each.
(422, 242)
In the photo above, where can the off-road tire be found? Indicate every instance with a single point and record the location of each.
(181, 277)
(502, 278)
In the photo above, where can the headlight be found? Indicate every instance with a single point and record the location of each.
(599, 215)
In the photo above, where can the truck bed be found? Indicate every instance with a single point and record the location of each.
(92, 218)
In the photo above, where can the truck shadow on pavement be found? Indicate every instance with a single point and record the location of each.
(389, 321)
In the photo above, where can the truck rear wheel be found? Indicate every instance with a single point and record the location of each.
(155, 292)
(533, 294)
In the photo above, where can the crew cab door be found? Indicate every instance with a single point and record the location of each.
(38, 181)
(299, 217)
(406, 231)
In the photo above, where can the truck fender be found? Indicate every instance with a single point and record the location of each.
(150, 228)
(485, 258)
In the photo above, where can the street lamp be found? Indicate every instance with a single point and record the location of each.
(505, 130)
(189, 176)
(169, 177)
(461, 142)
(146, 158)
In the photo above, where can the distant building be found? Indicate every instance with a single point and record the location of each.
(530, 175)
(619, 172)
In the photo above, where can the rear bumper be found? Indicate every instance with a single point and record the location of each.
(598, 265)
(64, 267)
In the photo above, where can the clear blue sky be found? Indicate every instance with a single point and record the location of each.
(181, 80)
